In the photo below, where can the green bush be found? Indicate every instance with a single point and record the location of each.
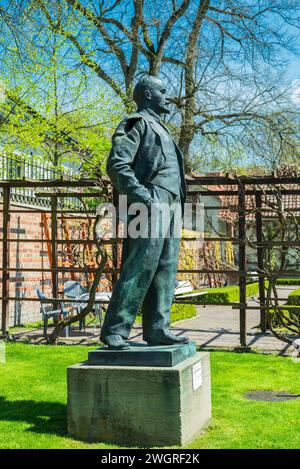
(181, 311)
(288, 281)
(178, 312)
(293, 314)
(252, 289)
(225, 295)
(221, 295)
(294, 297)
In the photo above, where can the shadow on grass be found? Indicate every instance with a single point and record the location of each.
(43, 417)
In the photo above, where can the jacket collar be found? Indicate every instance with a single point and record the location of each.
(156, 126)
(154, 118)
(150, 115)
(154, 115)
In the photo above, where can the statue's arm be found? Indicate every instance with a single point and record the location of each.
(125, 144)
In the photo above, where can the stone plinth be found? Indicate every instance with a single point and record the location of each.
(140, 406)
(142, 355)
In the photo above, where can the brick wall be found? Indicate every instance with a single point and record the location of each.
(29, 256)
(35, 255)
(26, 255)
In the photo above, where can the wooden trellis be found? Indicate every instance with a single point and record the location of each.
(241, 188)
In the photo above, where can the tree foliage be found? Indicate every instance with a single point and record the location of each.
(50, 108)
(222, 60)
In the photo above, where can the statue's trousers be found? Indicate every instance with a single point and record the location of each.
(148, 275)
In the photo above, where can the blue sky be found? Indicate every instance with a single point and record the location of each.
(294, 76)
(293, 72)
(293, 69)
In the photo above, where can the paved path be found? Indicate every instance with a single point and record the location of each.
(213, 327)
(218, 327)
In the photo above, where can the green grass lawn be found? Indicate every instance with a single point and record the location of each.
(33, 400)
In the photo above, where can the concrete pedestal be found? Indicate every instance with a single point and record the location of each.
(140, 406)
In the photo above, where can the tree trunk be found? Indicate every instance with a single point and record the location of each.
(188, 125)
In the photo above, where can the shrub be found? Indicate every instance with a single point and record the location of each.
(252, 289)
(178, 312)
(293, 314)
(181, 311)
(288, 281)
(294, 298)
(225, 295)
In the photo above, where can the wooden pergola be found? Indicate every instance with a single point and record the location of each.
(241, 187)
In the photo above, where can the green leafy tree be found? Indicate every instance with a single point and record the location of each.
(222, 59)
(51, 109)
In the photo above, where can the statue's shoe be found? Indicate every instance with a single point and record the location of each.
(170, 339)
(115, 342)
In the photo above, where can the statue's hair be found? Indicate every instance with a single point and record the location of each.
(144, 83)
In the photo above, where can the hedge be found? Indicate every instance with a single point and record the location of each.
(294, 298)
(178, 312)
(225, 295)
(294, 314)
(288, 281)
(181, 311)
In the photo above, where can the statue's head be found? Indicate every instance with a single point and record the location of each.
(150, 93)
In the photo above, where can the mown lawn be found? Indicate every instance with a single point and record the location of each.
(33, 400)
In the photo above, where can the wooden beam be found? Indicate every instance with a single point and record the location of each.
(245, 180)
(260, 263)
(54, 254)
(247, 192)
(114, 276)
(242, 262)
(5, 261)
(54, 183)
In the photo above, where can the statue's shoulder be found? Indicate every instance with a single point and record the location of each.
(131, 120)
(134, 116)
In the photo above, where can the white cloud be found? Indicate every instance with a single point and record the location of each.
(295, 93)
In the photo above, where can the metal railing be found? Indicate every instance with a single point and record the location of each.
(18, 166)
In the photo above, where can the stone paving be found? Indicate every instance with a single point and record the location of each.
(213, 327)
(217, 327)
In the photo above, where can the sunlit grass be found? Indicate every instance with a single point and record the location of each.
(33, 400)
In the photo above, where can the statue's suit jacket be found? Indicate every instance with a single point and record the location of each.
(139, 149)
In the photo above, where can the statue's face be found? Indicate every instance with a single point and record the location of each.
(157, 98)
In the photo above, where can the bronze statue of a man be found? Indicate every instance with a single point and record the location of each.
(146, 165)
